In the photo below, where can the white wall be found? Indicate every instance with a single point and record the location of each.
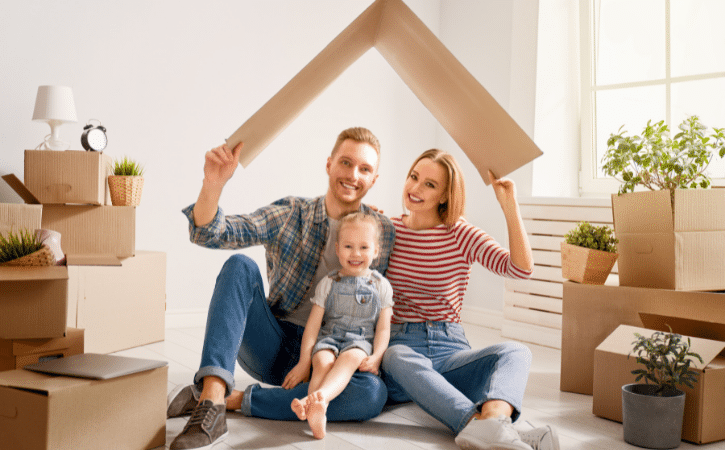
(170, 80)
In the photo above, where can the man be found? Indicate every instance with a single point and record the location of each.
(264, 334)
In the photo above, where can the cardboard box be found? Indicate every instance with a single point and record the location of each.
(93, 230)
(704, 403)
(661, 247)
(590, 313)
(17, 216)
(18, 353)
(480, 126)
(33, 302)
(119, 307)
(70, 176)
(61, 413)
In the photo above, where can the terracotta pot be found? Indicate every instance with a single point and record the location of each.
(125, 190)
(585, 265)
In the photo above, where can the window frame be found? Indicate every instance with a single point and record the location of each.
(589, 184)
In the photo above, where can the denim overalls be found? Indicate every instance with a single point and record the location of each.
(351, 312)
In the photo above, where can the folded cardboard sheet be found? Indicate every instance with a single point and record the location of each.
(17, 353)
(480, 126)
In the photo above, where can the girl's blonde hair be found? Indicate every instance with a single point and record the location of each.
(454, 206)
(356, 218)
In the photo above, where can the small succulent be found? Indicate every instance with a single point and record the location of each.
(593, 237)
(17, 245)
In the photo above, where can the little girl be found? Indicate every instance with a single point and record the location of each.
(349, 325)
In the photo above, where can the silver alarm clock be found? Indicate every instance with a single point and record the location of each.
(94, 136)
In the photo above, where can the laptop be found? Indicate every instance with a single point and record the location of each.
(95, 366)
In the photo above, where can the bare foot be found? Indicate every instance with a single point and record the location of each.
(234, 401)
(317, 414)
(299, 408)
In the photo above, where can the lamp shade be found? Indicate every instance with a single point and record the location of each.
(55, 103)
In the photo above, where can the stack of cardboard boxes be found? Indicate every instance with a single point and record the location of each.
(671, 273)
(108, 297)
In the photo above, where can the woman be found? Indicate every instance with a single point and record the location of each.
(476, 393)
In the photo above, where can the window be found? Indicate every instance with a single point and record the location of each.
(648, 60)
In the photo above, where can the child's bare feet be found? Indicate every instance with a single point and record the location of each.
(317, 414)
(299, 407)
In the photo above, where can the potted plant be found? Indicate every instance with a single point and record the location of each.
(24, 248)
(588, 253)
(126, 183)
(666, 207)
(652, 414)
(657, 162)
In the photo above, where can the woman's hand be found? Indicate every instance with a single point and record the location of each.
(299, 374)
(370, 364)
(220, 164)
(505, 190)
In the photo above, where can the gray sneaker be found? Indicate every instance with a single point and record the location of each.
(181, 402)
(542, 438)
(206, 427)
(490, 434)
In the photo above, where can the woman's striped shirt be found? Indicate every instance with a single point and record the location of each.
(429, 269)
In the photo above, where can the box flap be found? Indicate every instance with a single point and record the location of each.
(18, 186)
(33, 273)
(92, 260)
(687, 327)
(642, 212)
(477, 123)
(34, 346)
(25, 379)
(621, 340)
(694, 209)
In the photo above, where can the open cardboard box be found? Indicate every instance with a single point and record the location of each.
(704, 403)
(590, 313)
(70, 176)
(477, 123)
(18, 353)
(40, 411)
(100, 234)
(681, 249)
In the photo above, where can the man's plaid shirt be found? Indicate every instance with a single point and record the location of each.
(293, 231)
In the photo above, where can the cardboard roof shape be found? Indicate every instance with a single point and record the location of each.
(477, 123)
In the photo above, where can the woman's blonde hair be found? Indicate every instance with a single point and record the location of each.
(454, 206)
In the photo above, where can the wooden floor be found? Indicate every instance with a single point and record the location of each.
(401, 427)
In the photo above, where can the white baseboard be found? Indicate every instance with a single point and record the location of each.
(485, 317)
(186, 318)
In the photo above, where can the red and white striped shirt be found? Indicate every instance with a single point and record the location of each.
(429, 269)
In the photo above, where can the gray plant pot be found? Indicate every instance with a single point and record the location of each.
(649, 420)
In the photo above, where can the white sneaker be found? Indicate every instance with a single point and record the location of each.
(542, 438)
(491, 434)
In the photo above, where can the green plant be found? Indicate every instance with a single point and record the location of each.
(666, 358)
(656, 161)
(590, 236)
(17, 245)
(127, 167)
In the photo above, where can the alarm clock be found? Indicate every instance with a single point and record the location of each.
(94, 137)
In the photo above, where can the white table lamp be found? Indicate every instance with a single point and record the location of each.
(54, 105)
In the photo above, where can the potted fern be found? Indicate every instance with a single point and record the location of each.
(126, 183)
(652, 414)
(24, 248)
(588, 253)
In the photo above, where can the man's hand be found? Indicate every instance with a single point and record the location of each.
(299, 374)
(220, 164)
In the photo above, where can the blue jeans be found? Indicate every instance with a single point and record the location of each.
(241, 327)
(432, 364)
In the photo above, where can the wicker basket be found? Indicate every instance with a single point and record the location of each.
(125, 190)
(42, 257)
